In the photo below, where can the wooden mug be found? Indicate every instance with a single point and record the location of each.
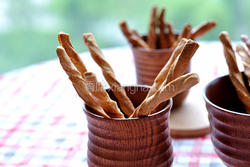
(230, 126)
(132, 142)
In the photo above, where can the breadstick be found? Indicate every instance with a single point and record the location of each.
(165, 70)
(66, 36)
(186, 32)
(245, 58)
(134, 32)
(138, 42)
(78, 82)
(163, 41)
(125, 30)
(171, 37)
(234, 73)
(119, 92)
(132, 36)
(164, 93)
(152, 28)
(64, 40)
(246, 40)
(202, 29)
(101, 96)
(181, 64)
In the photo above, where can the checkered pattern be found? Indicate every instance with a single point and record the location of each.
(42, 123)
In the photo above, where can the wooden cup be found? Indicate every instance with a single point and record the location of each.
(230, 126)
(130, 142)
(149, 63)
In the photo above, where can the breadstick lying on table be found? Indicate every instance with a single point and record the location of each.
(165, 70)
(202, 29)
(152, 28)
(119, 92)
(64, 41)
(78, 82)
(246, 40)
(164, 93)
(162, 37)
(110, 107)
(245, 58)
(132, 36)
(234, 72)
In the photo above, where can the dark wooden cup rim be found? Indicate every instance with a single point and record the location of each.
(216, 106)
(166, 108)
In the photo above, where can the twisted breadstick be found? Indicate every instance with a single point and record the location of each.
(101, 96)
(64, 41)
(164, 93)
(119, 92)
(181, 64)
(151, 32)
(186, 32)
(171, 37)
(165, 70)
(138, 42)
(234, 73)
(202, 29)
(246, 40)
(245, 58)
(78, 82)
(132, 36)
(163, 40)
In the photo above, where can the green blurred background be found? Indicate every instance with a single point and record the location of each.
(28, 28)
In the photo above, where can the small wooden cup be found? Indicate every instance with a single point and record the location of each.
(130, 142)
(149, 63)
(230, 126)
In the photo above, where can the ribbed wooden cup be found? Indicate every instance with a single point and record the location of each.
(149, 63)
(230, 126)
(132, 142)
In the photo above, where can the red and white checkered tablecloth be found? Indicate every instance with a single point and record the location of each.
(42, 123)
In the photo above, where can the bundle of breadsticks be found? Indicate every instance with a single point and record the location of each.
(168, 83)
(235, 75)
(161, 34)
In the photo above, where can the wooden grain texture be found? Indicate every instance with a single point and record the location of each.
(229, 123)
(149, 63)
(129, 143)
